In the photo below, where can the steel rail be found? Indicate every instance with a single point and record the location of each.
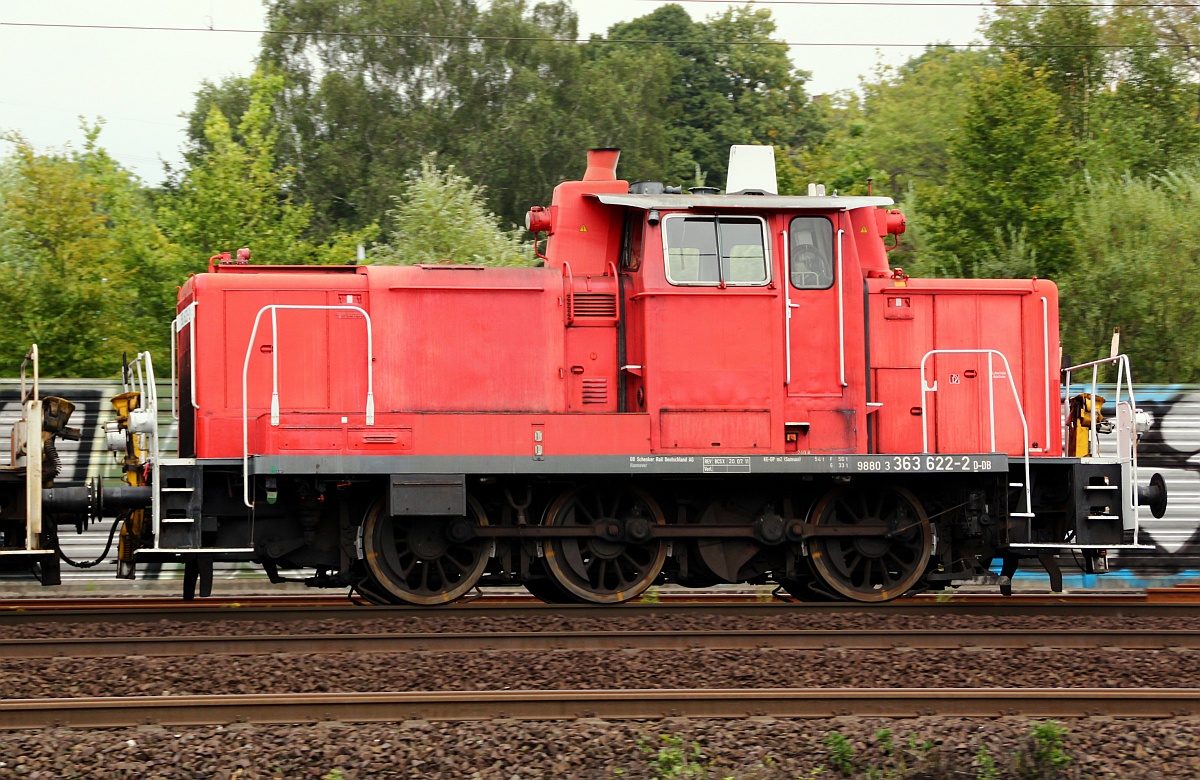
(1177, 595)
(185, 612)
(37, 604)
(110, 712)
(546, 641)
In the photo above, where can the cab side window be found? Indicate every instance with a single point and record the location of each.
(811, 253)
(631, 241)
(715, 250)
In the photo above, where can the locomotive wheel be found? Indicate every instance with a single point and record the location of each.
(424, 560)
(604, 570)
(871, 568)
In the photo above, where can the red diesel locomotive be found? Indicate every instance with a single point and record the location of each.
(694, 388)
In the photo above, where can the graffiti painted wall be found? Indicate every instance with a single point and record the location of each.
(1172, 448)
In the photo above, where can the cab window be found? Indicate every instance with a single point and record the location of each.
(811, 253)
(631, 241)
(715, 250)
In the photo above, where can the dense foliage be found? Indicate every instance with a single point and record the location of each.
(84, 269)
(1068, 147)
(439, 217)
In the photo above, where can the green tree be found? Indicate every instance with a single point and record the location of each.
(231, 98)
(440, 216)
(502, 91)
(897, 128)
(913, 112)
(842, 161)
(1138, 237)
(1062, 41)
(1125, 95)
(234, 194)
(83, 268)
(1006, 201)
(1145, 120)
(536, 106)
(627, 108)
(731, 83)
(494, 90)
(1178, 24)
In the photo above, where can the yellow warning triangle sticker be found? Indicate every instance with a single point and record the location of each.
(583, 228)
(864, 229)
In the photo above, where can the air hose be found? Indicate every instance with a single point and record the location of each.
(97, 561)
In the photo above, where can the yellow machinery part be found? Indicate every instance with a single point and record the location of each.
(134, 531)
(1083, 419)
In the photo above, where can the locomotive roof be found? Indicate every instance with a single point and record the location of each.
(668, 201)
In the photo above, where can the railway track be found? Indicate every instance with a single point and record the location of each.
(1177, 595)
(606, 703)
(544, 641)
(283, 612)
(108, 712)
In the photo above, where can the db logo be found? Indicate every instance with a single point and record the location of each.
(955, 379)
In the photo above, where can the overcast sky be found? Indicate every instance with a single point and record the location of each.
(141, 82)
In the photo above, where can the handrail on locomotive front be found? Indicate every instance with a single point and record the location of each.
(1124, 380)
(144, 421)
(273, 308)
(186, 318)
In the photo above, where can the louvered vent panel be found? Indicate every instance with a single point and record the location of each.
(592, 304)
(595, 391)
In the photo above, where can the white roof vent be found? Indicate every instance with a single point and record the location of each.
(752, 170)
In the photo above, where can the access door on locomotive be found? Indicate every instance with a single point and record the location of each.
(710, 333)
(824, 357)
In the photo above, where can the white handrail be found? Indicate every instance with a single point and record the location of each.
(149, 391)
(31, 355)
(787, 308)
(185, 318)
(31, 412)
(370, 410)
(143, 422)
(925, 388)
(1124, 381)
(991, 399)
(1046, 366)
(841, 314)
(141, 380)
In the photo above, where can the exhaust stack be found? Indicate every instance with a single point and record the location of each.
(602, 165)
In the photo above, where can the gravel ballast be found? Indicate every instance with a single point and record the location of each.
(447, 622)
(749, 749)
(758, 749)
(611, 670)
